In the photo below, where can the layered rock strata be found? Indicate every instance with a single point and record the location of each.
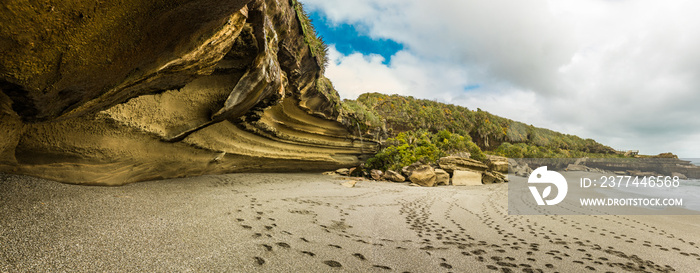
(106, 93)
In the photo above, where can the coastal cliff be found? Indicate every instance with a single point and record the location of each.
(105, 93)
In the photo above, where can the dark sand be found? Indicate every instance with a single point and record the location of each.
(310, 223)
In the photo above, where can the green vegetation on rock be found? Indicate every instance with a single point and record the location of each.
(325, 88)
(360, 116)
(410, 147)
(318, 48)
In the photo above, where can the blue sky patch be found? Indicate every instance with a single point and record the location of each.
(471, 87)
(347, 39)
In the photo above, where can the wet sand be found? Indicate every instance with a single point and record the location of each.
(311, 223)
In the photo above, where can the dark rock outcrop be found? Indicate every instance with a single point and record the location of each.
(112, 93)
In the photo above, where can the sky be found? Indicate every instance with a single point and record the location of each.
(623, 72)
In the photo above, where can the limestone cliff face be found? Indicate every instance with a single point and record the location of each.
(107, 93)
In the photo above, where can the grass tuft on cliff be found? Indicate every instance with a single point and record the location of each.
(318, 47)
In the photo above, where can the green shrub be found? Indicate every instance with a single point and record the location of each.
(421, 146)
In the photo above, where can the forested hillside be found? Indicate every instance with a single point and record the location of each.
(385, 117)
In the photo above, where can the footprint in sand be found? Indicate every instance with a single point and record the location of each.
(359, 256)
(446, 265)
(478, 252)
(309, 253)
(283, 244)
(332, 263)
(259, 261)
(506, 264)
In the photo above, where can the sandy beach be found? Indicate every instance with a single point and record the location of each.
(311, 223)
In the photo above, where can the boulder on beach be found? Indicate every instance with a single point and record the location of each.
(423, 175)
(441, 177)
(408, 170)
(497, 163)
(393, 176)
(466, 178)
(493, 177)
(376, 174)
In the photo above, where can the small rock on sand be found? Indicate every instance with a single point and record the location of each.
(376, 174)
(342, 171)
(349, 184)
(394, 176)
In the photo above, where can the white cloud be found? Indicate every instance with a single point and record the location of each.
(622, 72)
(356, 74)
(405, 74)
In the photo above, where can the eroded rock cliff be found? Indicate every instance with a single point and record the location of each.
(111, 93)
